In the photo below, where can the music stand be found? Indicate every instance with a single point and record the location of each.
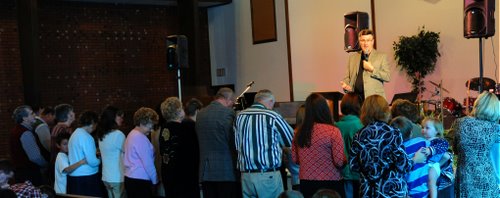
(410, 96)
(249, 98)
(335, 97)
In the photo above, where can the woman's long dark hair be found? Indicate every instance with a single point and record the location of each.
(107, 121)
(317, 111)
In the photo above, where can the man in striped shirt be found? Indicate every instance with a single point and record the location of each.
(260, 134)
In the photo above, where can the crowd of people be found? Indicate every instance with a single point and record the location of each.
(372, 151)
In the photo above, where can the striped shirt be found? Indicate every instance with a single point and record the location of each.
(419, 174)
(260, 134)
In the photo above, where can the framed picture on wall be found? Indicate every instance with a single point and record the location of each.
(263, 21)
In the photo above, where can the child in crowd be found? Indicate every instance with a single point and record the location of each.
(418, 176)
(291, 194)
(25, 189)
(62, 167)
(437, 156)
(326, 193)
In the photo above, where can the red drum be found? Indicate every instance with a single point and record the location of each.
(471, 102)
(452, 106)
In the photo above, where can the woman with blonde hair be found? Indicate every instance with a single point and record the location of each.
(474, 138)
(179, 152)
(378, 154)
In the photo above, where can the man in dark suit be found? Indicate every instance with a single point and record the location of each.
(367, 70)
(214, 127)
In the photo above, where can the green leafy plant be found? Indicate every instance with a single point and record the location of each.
(417, 55)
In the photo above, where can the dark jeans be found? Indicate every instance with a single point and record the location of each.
(138, 188)
(223, 189)
(309, 187)
(85, 185)
(447, 192)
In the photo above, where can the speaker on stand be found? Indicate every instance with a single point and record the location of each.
(354, 22)
(479, 18)
(177, 56)
(479, 22)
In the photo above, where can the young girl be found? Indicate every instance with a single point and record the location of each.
(432, 130)
(62, 167)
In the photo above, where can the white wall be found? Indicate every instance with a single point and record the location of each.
(459, 59)
(317, 44)
(266, 63)
(318, 58)
(221, 31)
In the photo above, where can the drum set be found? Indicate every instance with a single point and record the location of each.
(448, 109)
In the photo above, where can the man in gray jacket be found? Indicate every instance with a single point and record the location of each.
(367, 70)
(214, 128)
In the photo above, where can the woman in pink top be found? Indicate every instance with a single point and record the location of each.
(319, 149)
(140, 172)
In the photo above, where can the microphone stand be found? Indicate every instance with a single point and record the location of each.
(239, 104)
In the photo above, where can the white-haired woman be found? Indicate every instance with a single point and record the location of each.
(179, 152)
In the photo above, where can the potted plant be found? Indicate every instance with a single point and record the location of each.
(417, 56)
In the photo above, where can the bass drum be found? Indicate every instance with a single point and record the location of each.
(452, 106)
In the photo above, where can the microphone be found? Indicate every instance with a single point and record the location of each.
(250, 83)
(366, 55)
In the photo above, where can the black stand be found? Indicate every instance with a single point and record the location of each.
(480, 88)
(240, 103)
(179, 83)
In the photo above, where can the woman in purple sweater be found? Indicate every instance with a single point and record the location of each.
(140, 172)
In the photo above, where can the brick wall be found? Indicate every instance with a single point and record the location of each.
(11, 84)
(93, 55)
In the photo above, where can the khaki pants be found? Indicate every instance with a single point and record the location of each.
(115, 189)
(268, 184)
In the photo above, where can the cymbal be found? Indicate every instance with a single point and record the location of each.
(439, 86)
(488, 84)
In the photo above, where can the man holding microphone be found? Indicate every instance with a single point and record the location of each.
(372, 67)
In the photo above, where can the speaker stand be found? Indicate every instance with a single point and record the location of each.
(179, 83)
(480, 88)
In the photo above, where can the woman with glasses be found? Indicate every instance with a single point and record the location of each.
(140, 172)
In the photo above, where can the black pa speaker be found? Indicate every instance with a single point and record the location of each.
(354, 22)
(479, 18)
(177, 52)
